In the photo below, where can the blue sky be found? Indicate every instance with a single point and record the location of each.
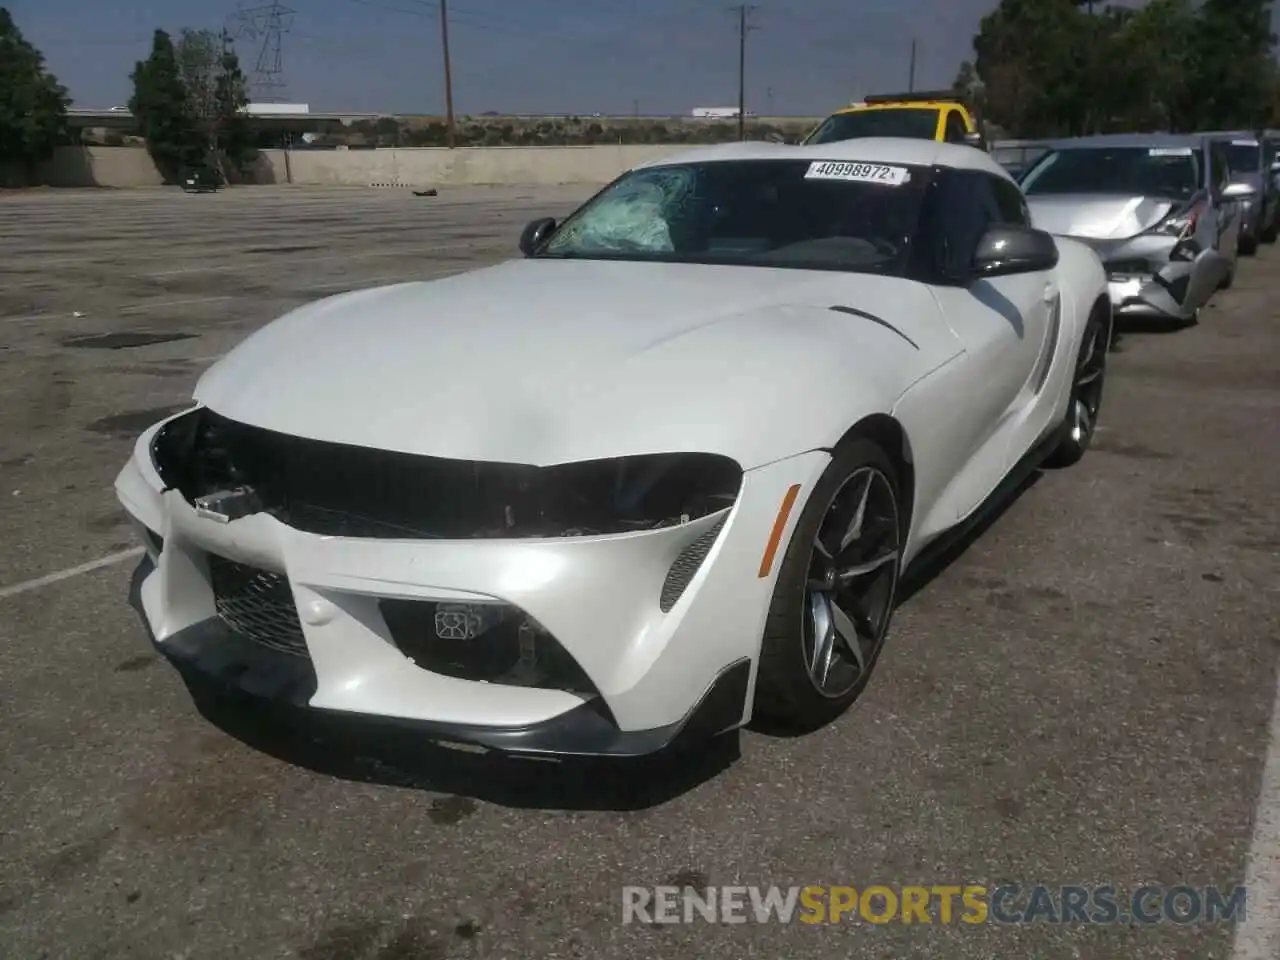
(537, 56)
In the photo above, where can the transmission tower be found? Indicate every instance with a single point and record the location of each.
(265, 26)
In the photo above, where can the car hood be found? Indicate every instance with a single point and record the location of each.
(1097, 216)
(543, 361)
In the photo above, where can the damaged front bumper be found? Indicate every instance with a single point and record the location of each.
(1160, 277)
(600, 659)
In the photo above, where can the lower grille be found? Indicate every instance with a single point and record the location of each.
(258, 605)
(1123, 269)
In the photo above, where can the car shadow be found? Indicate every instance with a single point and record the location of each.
(1125, 326)
(364, 753)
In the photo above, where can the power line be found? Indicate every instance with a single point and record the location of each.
(744, 11)
(266, 24)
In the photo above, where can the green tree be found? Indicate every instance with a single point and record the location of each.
(233, 137)
(1032, 59)
(33, 105)
(1159, 44)
(199, 56)
(1068, 67)
(1231, 65)
(165, 119)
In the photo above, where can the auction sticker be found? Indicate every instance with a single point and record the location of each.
(1169, 152)
(858, 172)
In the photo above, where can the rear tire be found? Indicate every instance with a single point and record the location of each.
(1085, 402)
(1272, 229)
(1248, 246)
(835, 592)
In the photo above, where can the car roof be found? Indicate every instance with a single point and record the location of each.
(903, 150)
(1234, 135)
(898, 105)
(1194, 140)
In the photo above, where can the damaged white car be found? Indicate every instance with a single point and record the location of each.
(665, 470)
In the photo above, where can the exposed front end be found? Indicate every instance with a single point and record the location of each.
(1166, 272)
(1160, 254)
(604, 608)
(1160, 277)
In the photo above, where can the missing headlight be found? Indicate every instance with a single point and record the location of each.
(343, 490)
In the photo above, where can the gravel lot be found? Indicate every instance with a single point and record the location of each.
(1081, 697)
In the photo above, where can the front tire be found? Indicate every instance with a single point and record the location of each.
(1248, 246)
(835, 591)
(1086, 392)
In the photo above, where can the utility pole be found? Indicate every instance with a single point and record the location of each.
(451, 132)
(744, 11)
(911, 75)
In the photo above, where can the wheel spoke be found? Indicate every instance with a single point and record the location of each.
(869, 566)
(824, 637)
(1086, 355)
(848, 634)
(854, 530)
(843, 524)
(857, 612)
(1088, 376)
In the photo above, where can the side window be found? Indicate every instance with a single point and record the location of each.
(960, 206)
(1013, 205)
(955, 127)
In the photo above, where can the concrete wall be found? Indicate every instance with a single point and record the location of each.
(409, 167)
(433, 166)
(100, 167)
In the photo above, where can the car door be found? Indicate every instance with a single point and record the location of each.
(1002, 322)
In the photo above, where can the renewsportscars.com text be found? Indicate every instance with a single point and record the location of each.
(935, 904)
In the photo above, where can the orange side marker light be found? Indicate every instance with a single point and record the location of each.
(780, 524)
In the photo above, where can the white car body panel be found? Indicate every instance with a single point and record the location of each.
(549, 362)
(546, 362)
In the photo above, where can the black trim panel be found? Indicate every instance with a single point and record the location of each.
(855, 312)
(211, 651)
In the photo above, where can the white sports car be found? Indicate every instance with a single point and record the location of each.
(664, 470)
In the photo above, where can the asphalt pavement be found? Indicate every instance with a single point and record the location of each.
(1080, 697)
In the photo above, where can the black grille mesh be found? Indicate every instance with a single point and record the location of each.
(258, 605)
(686, 565)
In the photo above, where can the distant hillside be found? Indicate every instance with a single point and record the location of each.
(491, 131)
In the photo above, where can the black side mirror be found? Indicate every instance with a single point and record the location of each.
(1008, 249)
(535, 233)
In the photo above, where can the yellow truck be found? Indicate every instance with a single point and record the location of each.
(938, 115)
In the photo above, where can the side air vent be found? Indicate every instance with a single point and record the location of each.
(686, 565)
(1051, 344)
